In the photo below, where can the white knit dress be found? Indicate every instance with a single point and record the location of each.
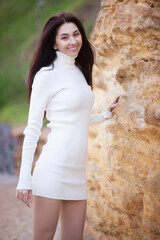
(60, 172)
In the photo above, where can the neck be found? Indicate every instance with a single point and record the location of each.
(63, 60)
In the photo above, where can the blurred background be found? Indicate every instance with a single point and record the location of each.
(20, 28)
(21, 25)
(123, 177)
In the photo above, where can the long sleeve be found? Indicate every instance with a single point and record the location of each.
(96, 118)
(40, 96)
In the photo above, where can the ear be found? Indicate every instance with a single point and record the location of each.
(55, 47)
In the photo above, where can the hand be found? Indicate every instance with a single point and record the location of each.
(24, 196)
(113, 104)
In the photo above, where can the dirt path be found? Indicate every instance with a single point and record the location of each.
(16, 218)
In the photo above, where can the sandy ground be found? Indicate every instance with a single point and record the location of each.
(16, 218)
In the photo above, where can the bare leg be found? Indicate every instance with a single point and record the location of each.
(72, 217)
(45, 217)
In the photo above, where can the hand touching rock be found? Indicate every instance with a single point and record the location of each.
(113, 104)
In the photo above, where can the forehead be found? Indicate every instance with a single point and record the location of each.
(67, 28)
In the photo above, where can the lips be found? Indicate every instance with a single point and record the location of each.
(73, 48)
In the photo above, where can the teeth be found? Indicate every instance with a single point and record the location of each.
(73, 48)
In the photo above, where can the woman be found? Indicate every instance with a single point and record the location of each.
(59, 86)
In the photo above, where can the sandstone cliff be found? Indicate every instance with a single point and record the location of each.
(124, 152)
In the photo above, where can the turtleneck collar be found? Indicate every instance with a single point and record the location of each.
(63, 60)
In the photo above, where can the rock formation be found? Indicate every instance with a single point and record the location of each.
(17, 133)
(124, 152)
(7, 149)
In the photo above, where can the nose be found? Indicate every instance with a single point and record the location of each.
(72, 40)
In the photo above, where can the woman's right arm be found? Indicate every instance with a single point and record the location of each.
(40, 96)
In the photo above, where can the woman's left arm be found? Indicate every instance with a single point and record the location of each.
(99, 117)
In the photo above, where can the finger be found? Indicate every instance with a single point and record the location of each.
(116, 99)
(113, 106)
(30, 195)
(18, 195)
(28, 204)
(113, 102)
(22, 196)
(25, 196)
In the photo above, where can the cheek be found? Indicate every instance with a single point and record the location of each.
(62, 44)
(80, 40)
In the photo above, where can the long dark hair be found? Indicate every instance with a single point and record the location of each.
(45, 54)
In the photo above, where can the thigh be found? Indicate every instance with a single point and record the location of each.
(45, 217)
(72, 217)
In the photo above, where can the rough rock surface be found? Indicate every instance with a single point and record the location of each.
(124, 152)
(7, 149)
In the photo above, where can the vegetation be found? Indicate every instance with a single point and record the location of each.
(21, 24)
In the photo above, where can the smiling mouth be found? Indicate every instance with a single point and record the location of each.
(73, 48)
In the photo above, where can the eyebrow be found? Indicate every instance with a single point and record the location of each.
(67, 33)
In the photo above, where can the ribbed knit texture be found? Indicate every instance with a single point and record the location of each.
(62, 91)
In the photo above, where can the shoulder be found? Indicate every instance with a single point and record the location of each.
(44, 71)
(43, 77)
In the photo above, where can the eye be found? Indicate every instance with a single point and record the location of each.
(76, 34)
(64, 38)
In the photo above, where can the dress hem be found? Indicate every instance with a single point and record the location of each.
(60, 198)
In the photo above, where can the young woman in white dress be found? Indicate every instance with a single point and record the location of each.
(60, 89)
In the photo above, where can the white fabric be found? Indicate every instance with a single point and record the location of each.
(62, 91)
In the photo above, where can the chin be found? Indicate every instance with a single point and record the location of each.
(74, 54)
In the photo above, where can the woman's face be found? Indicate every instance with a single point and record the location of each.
(68, 39)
